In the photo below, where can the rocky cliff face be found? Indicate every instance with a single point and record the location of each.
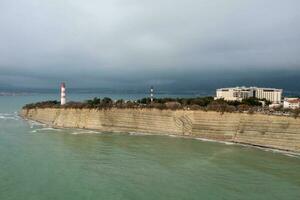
(262, 130)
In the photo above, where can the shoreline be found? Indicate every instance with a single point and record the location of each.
(260, 131)
(95, 131)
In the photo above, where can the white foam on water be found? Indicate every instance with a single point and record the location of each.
(217, 141)
(175, 136)
(292, 155)
(296, 155)
(138, 133)
(206, 140)
(9, 116)
(45, 129)
(78, 132)
(50, 129)
(229, 143)
(286, 153)
(75, 133)
(34, 124)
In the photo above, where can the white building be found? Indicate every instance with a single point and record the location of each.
(240, 93)
(234, 94)
(291, 103)
(270, 94)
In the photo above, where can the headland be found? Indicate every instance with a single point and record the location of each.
(258, 129)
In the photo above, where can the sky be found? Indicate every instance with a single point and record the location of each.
(132, 44)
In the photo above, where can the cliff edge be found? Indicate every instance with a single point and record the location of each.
(278, 132)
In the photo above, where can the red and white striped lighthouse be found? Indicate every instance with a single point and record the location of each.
(62, 94)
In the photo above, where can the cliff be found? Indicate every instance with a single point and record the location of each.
(277, 132)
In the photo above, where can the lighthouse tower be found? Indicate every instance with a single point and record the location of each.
(62, 94)
(151, 93)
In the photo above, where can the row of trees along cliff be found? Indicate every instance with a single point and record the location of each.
(250, 105)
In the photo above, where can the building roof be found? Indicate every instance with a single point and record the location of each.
(249, 88)
(293, 100)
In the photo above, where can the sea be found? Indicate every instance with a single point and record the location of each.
(38, 162)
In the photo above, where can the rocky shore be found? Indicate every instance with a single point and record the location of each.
(277, 132)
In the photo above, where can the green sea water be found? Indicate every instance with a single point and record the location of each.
(41, 163)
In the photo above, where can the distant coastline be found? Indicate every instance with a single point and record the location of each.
(14, 94)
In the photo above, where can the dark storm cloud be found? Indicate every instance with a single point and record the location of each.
(92, 43)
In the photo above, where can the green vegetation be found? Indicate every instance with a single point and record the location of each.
(43, 104)
(250, 105)
(201, 101)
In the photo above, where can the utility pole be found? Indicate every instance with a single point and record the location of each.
(151, 93)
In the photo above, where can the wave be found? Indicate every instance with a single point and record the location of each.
(9, 116)
(175, 136)
(286, 153)
(295, 155)
(45, 129)
(77, 132)
(138, 133)
(292, 155)
(34, 124)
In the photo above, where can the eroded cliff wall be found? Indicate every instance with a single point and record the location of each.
(269, 131)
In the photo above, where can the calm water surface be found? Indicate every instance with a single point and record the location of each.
(40, 163)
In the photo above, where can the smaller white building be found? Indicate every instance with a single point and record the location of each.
(291, 103)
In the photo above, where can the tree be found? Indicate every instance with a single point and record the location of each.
(144, 101)
(106, 102)
(201, 101)
(94, 102)
(252, 101)
(120, 103)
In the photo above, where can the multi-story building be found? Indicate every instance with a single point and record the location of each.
(291, 103)
(240, 93)
(270, 94)
(234, 94)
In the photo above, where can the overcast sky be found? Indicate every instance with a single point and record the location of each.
(132, 43)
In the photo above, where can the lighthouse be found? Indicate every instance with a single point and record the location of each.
(62, 94)
(151, 93)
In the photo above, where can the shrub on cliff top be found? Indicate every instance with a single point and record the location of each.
(296, 113)
(94, 102)
(203, 103)
(252, 101)
(43, 104)
(195, 107)
(76, 105)
(173, 105)
(243, 107)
